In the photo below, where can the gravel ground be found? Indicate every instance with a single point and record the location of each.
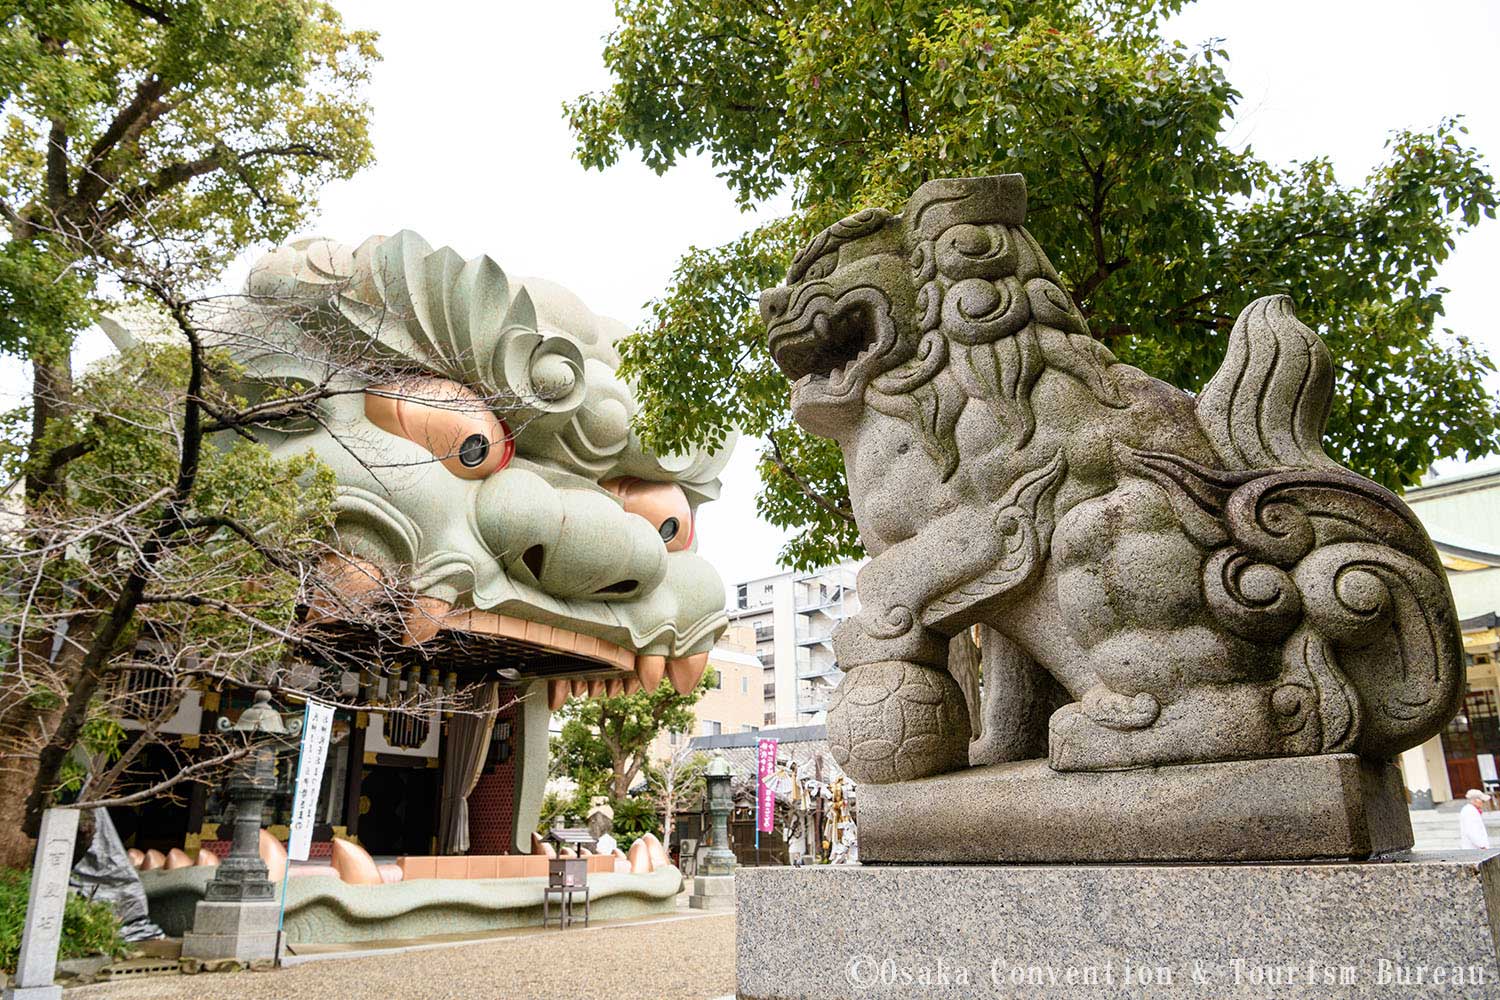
(690, 958)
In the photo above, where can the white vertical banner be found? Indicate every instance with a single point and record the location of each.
(317, 729)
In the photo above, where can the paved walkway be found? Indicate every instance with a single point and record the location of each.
(671, 958)
(1437, 829)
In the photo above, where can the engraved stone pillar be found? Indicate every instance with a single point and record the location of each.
(37, 961)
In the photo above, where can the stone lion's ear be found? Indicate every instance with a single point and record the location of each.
(950, 201)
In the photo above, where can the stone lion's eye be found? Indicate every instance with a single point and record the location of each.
(821, 268)
(668, 529)
(474, 450)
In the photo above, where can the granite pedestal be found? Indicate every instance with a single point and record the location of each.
(1407, 928)
(243, 931)
(1288, 809)
(712, 892)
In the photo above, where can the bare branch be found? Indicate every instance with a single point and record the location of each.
(191, 772)
(155, 14)
(814, 495)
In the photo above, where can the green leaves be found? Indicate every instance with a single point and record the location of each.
(133, 131)
(1162, 232)
(604, 741)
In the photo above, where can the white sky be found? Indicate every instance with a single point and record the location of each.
(472, 151)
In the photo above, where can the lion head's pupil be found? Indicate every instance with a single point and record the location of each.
(474, 450)
(668, 529)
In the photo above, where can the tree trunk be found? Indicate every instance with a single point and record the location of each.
(16, 849)
(51, 388)
(18, 731)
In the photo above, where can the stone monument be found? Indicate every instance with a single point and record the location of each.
(1202, 639)
(36, 962)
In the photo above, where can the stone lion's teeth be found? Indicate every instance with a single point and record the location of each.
(580, 687)
(685, 671)
(650, 669)
(557, 693)
(596, 688)
(632, 685)
(615, 687)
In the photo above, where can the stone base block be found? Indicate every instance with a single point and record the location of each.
(1418, 926)
(245, 932)
(1293, 808)
(32, 993)
(712, 892)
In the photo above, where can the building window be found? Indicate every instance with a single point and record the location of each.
(744, 685)
(742, 596)
(750, 729)
(674, 737)
(712, 728)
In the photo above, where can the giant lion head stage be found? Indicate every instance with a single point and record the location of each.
(1161, 579)
(485, 463)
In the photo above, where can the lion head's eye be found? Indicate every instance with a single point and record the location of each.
(821, 268)
(448, 419)
(663, 504)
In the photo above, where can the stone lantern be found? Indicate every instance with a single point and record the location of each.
(238, 916)
(713, 887)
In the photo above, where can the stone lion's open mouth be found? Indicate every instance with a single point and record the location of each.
(572, 662)
(832, 344)
(828, 344)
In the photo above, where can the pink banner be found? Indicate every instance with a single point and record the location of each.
(765, 798)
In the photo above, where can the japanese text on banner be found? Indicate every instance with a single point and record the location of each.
(317, 730)
(765, 798)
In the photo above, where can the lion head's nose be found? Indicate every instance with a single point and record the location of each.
(773, 303)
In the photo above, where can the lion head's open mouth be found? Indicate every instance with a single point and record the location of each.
(834, 345)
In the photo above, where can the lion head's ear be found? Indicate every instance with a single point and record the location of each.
(951, 201)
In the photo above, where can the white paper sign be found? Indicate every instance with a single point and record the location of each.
(317, 729)
(1487, 767)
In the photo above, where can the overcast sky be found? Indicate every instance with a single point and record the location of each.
(472, 151)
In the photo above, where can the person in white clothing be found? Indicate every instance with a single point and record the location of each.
(1471, 832)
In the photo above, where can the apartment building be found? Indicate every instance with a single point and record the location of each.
(793, 615)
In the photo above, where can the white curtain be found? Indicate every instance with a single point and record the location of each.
(468, 742)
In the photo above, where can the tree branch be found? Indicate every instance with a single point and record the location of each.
(144, 108)
(189, 773)
(815, 496)
(159, 16)
(122, 610)
(57, 167)
(176, 174)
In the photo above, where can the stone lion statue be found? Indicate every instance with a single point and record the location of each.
(1159, 578)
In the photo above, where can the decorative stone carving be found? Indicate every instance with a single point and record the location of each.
(486, 468)
(1161, 579)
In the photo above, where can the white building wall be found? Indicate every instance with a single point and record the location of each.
(775, 600)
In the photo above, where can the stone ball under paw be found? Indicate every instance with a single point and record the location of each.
(895, 721)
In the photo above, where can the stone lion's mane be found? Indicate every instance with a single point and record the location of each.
(993, 316)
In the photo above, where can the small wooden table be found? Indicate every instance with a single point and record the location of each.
(565, 876)
(565, 904)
